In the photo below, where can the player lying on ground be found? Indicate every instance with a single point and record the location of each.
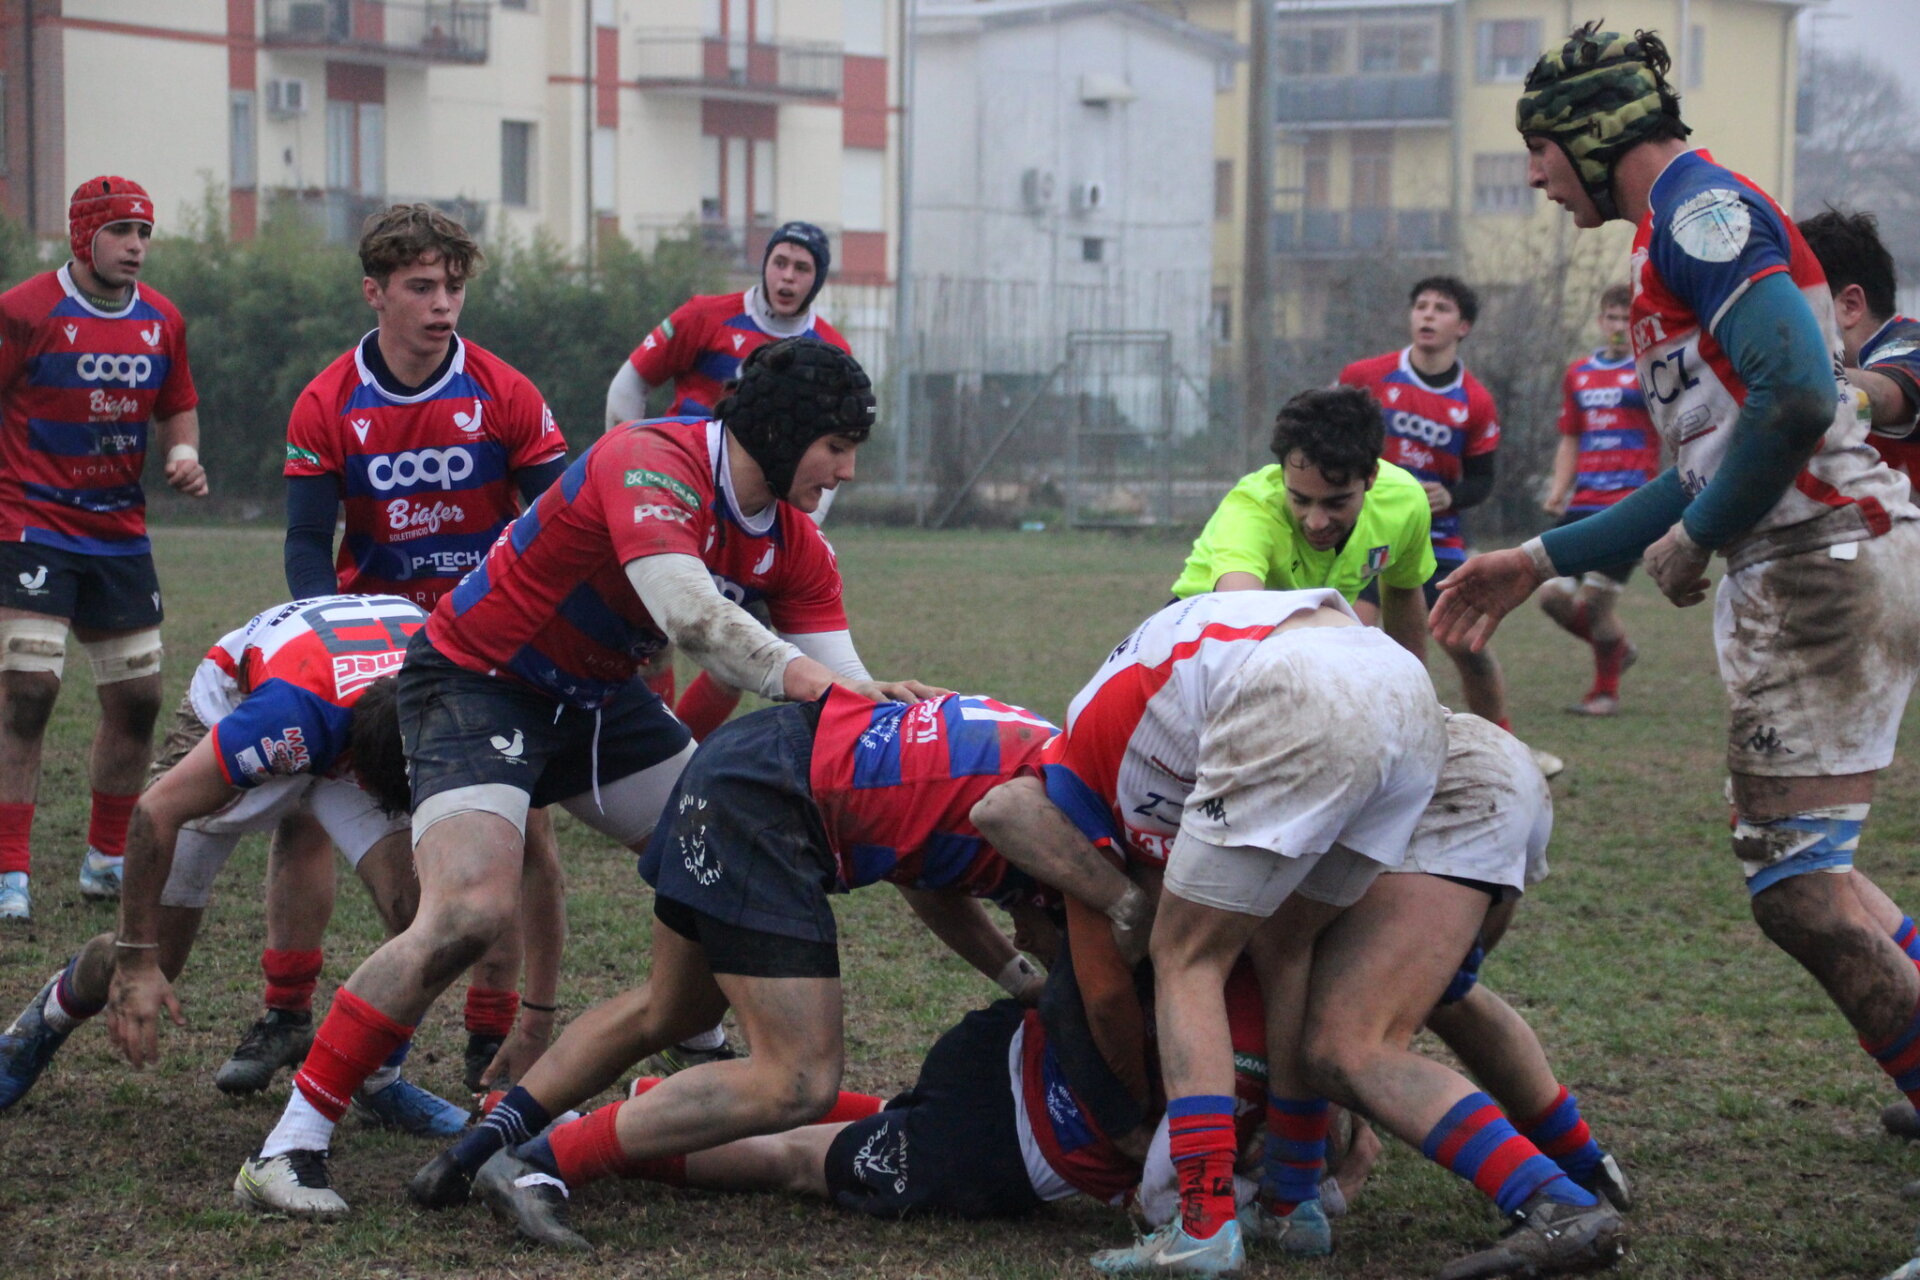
(521, 689)
(775, 812)
(289, 717)
(1156, 751)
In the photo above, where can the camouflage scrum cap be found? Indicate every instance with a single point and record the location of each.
(1596, 98)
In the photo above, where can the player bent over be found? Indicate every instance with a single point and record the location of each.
(1815, 617)
(1607, 450)
(520, 690)
(775, 812)
(290, 716)
(87, 358)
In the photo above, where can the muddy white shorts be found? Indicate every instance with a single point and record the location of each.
(1491, 814)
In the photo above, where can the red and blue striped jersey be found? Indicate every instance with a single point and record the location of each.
(1601, 405)
(1894, 350)
(700, 346)
(426, 480)
(278, 692)
(1708, 234)
(78, 387)
(551, 604)
(895, 783)
(1430, 430)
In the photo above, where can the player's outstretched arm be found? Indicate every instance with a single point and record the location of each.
(961, 921)
(1031, 832)
(1477, 595)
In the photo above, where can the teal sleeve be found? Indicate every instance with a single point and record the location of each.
(1621, 532)
(1777, 348)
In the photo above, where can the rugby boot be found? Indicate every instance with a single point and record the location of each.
(279, 1038)
(15, 902)
(1548, 1238)
(27, 1046)
(1900, 1120)
(481, 1049)
(100, 877)
(675, 1058)
(1170, 1251)
(535, 1203)
(1597, 705)
(440, 1183)
(294, 1183)
(405, 1106)
(1304, 1233)
(1609, 1182)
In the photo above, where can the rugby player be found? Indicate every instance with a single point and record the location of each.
(1607, 450)
(1882, 346)
(430, 443)
(289, 715)
(775, 812)
(1735, 342)
(520, 690)
(87, 358)
(698, 350)
(1331, 514)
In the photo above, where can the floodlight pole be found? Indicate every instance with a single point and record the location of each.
(1256, 342)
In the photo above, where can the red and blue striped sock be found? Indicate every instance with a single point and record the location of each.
(1907, 938)
(1562, 1135)
(1476, 1141)
(1200, 1140)
(1900, 1058)
(1296, 1151)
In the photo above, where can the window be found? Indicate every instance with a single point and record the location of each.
(516, 163)
(863, 190)
(1313, 51)
(1372, 169)
(242, 146)
(1316, 172)
(342, 172)
(1506, 49)
(1093, 249)
(1399, 48)
(373, 149)
(1225, 76)
(522, 5)
(1500, 183)
(1223, 189)
(604, 186)
(1220, 316)
(1696, 57)
(711, 208)
(357, 147)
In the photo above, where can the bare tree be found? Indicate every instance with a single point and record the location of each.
(1855, 143)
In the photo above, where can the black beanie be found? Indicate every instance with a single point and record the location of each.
(789, 394)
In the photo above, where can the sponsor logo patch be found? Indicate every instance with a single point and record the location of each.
(442, 467)
(646, 511)
(353, 672)
(296, 454)
(642, 479)
(1713, 226)
(132, 370)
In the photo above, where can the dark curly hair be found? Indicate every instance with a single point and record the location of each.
(789, 394)
(1850, 252)
(1335, 429)
(373, 744)
(1453, 288)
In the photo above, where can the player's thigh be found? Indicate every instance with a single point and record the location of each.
(1382, 966)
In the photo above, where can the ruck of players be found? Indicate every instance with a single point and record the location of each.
(1229, 920)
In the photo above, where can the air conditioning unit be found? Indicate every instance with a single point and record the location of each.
(1036, 189)
(1089, 197)
(286, 97)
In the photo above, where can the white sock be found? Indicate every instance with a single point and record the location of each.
(301, 1128)
(56, 1014)
(706, 1041)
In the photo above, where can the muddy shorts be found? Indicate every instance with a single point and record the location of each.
(1491, 814)
(1818, 652)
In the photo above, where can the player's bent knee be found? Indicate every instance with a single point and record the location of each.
(34, 646)
(1808, 843)
(130, 655)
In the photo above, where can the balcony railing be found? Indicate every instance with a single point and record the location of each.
(431, 30)
(1354, 99)
(339, 215)
(733, 67)
(1335, 233)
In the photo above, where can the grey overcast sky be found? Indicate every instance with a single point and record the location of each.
(1885, 29)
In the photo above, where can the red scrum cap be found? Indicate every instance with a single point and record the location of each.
(100, 202)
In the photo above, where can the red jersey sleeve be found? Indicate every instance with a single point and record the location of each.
(671, 348)
(312, 441)
(655, 497)
(16, 336)
(1569, 424)
(531, 436)
(805, 598)
(1353, 375)
(1483, 423)
(830, 335)
(177, 393)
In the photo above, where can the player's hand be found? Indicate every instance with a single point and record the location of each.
(1485, 589)
(1438, 499)
(1555, 504)
(137, 994)
(187, 476)
(896, 690)
(519, 1051)
(1678, 566)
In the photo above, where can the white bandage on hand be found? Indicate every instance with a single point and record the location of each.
(1019, 977)
(182, 453)
(1542, 562)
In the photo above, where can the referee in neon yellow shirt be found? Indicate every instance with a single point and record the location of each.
(1332, 514)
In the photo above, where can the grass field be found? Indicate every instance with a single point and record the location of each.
(1712, 1066)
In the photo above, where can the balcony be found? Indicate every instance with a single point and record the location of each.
(731, 67)
(1345, 233)
(383, 30)
(339, 215)
(1324, 101)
